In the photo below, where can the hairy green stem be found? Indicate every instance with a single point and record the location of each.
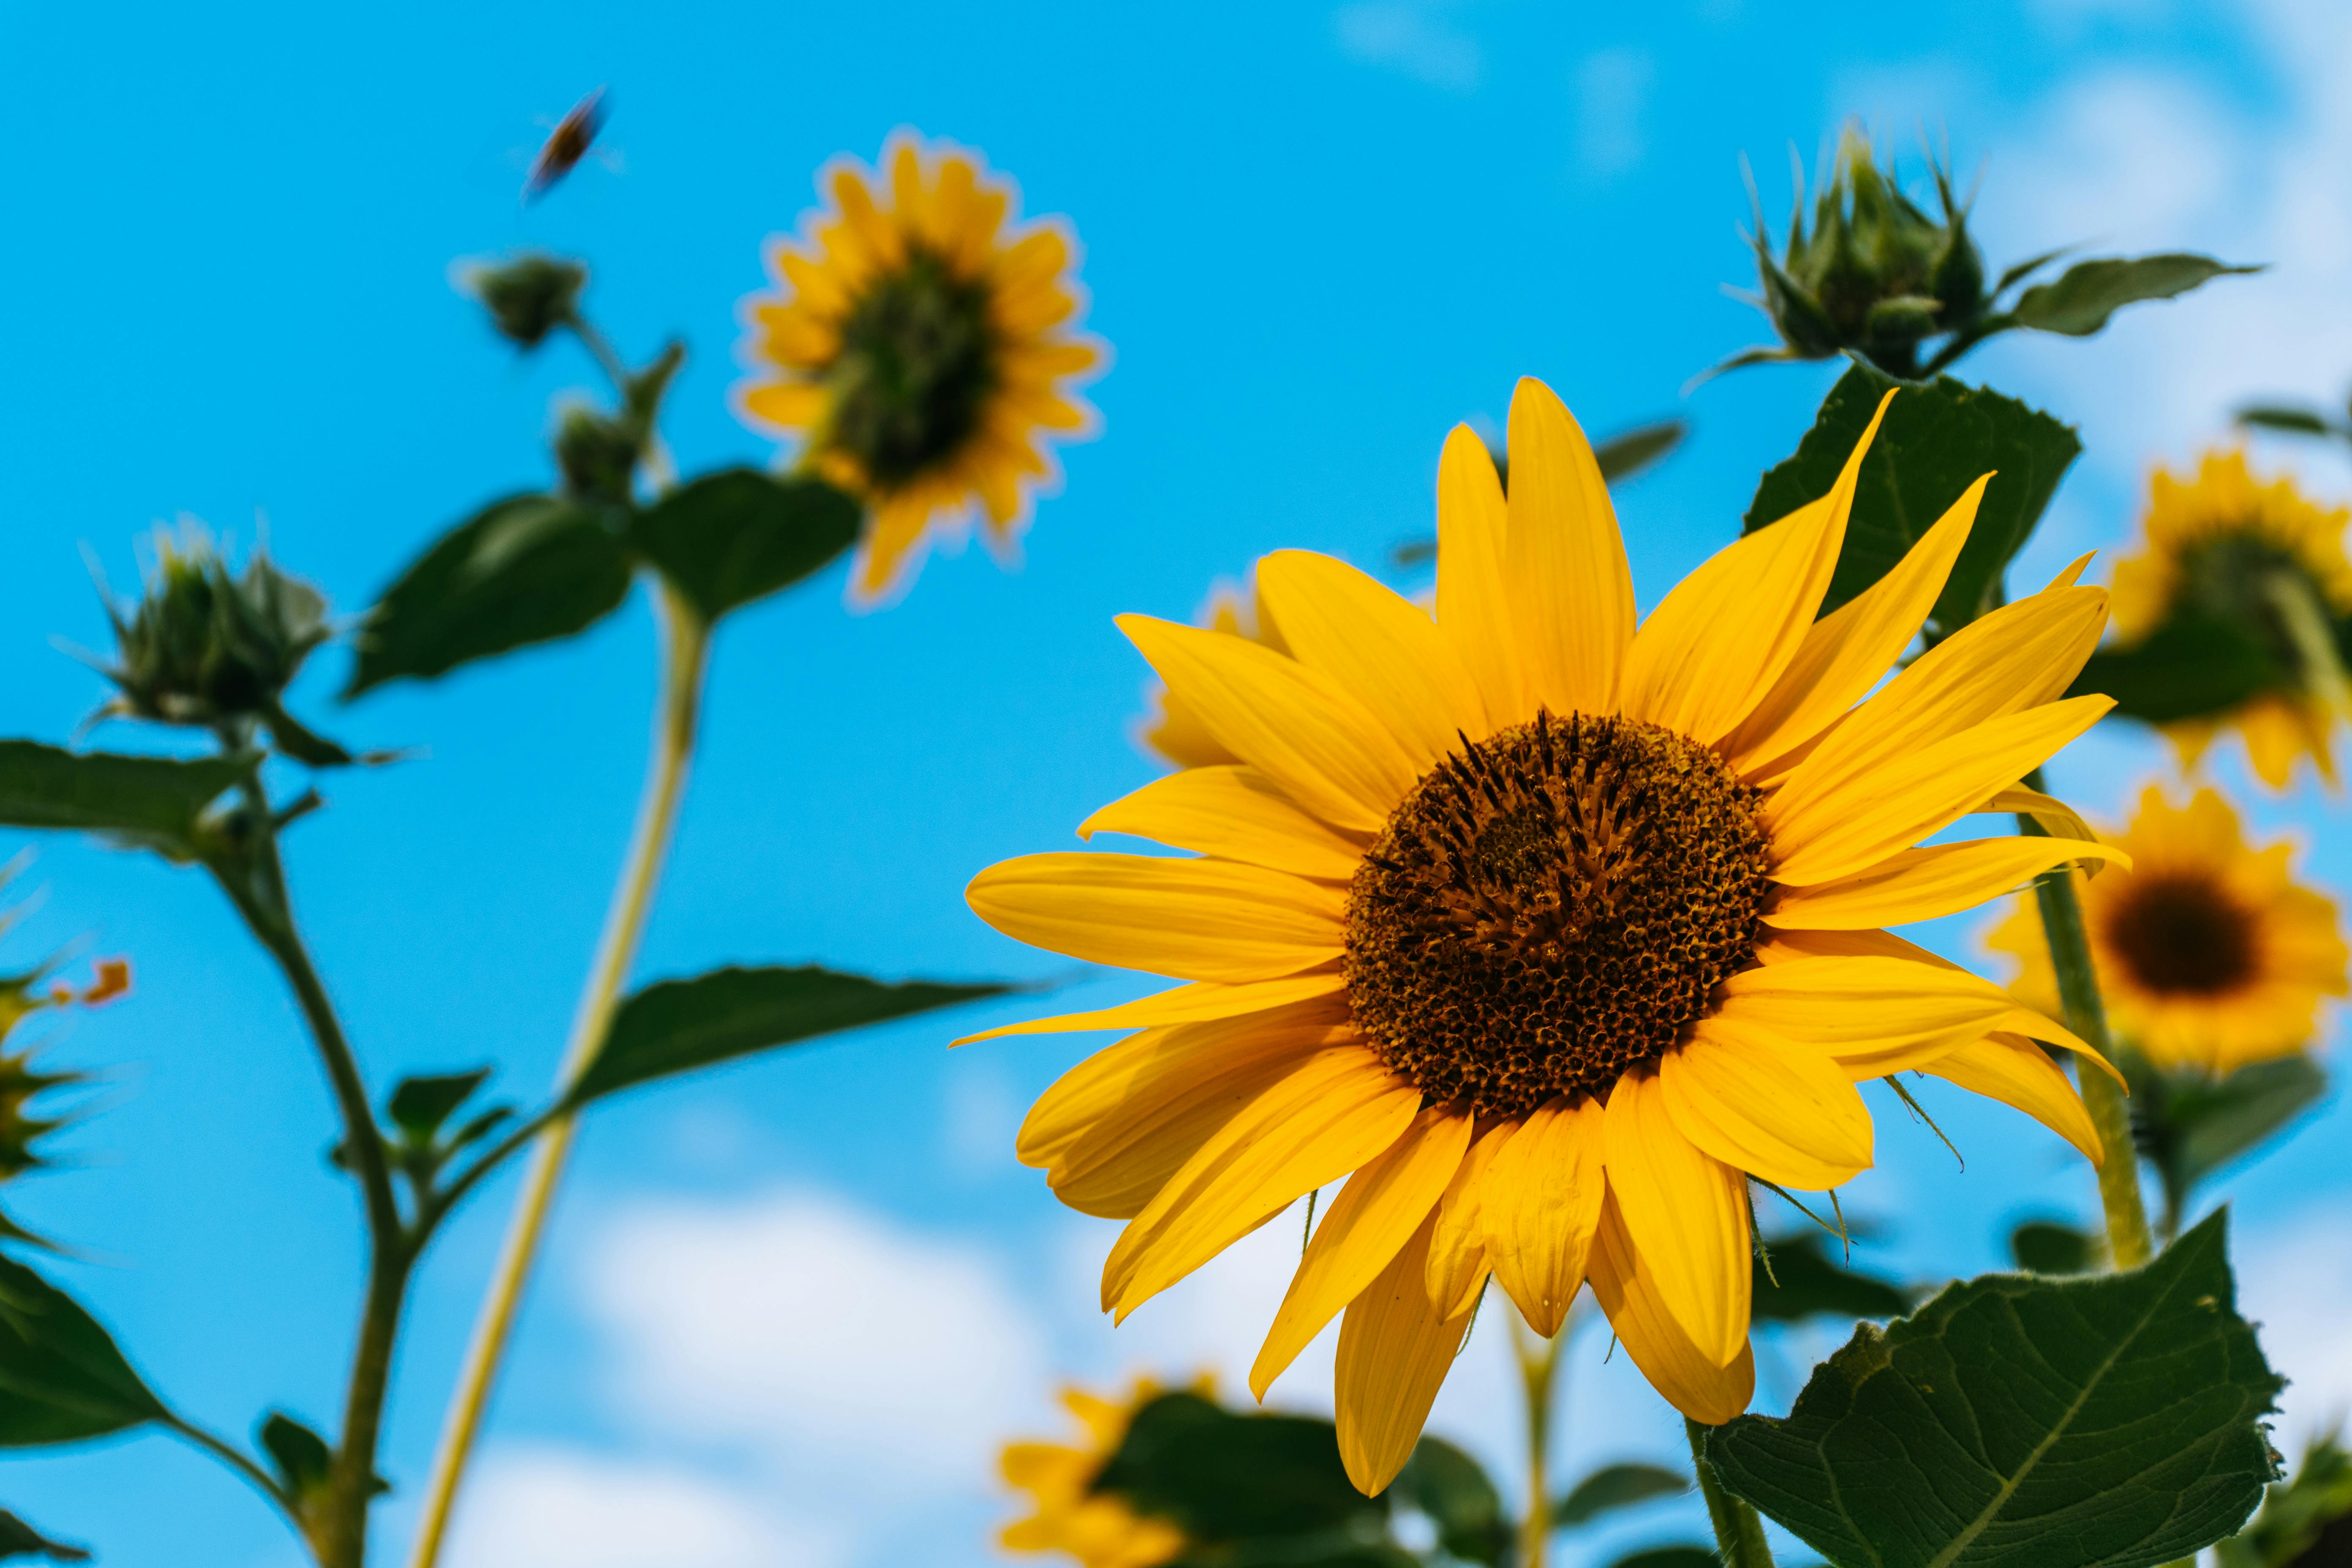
(1738, 1532)
(688, 647)
(1538, 1369)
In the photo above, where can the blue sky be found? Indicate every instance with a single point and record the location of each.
(789, 1309)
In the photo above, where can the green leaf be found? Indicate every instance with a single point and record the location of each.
(678, 1026)
(2293, 421)
(2191, 1124)
(61, 1379)
(1622, 457)
(153, 802)
(2079, 302)
(1223, 1476)
(419, 1106)
(1802, 1282)
(2022, 1422)
(1669, 1557)
(2305, 1523)
(19, 1539)
(1614, 1487)
(301, 1456)
(525, 570)
(728, 538)
(1453, 1490)
(2046, 1247)
(1936, 439)
(2191, 666)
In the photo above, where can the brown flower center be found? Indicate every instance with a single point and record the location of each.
(1549, 906)
(917, 366)
(2180, 934)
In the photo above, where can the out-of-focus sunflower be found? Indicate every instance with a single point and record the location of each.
(2209, 953)
(2261, 557)
(1098, 1528)
(1544, 931)
(920, 344)
(1172, 730)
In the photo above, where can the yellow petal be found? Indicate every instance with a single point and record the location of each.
(1922, 884)
(1570, 590)
(1538, 1207)
(1384, 649)
(1372, 1218)
(1187, 1004)
(1295, 725)
(1874, 1015)
(1686, 1212)
(1473, 610)
(2033, 1025)
(1691, 1382)
(1720, 639)
(2015, 1072)
(1195, 920)
(1848, 650)
(1394, 1352)
(1766, 1107)
(1235, 813)
(1457, 1246)
(1825, 827)
(2054, 816)
(1330, 1116)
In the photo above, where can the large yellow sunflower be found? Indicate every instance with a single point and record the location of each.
(922, 346)
(2223, 546)
(1545, 931)
(2209, 953)
(1098, 1528)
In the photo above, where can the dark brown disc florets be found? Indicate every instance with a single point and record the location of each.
(2178, 934)
(1551, 906)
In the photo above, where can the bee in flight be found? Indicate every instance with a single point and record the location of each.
(565, 145)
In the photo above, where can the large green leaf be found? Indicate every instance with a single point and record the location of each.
(1798, 1280)
(2080, 299)
(2190, 1124)
(1224, 1476)
(1455, 1491)
(2022, 1422)
(1936, 439)
(1670, 1557)
(678, 1026)
(528, 569)
(61, 1379)
(2191, 666)
(728, 538)
(1614, 1487)
(19, 1539)
(150, 801)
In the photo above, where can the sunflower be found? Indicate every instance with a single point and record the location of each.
(2210, 954)
(920, 344)
(1098, 1528)
(1173, 732)
(2254, 555)
(1546, 932)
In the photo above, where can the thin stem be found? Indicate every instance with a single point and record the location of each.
(2305, 624)
(1539, 1365)
(229, 1454)
(688, 647)
(2129, 1244)
(1738, 1532)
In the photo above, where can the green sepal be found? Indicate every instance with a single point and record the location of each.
(1223, 1476)
(152, 803)
(61, 1378)
(19, 1539)
(1614, 1487)
(1795, 1279)
(729, 538)
(528, 569)
(2048, 1246)
(2022, 1422)
(2078, 302)
(679, 1025)
(1936, 439)
(2191, 666)
(1454, 1490)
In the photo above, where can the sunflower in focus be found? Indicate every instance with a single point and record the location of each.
(1098, 1528)
(1545, 931)
(920, 346)
(1173, 732)
(2260, 557)
(2210, 954)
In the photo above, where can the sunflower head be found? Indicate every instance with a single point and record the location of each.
(206, 646)
(23, 1126)
(2266, 563)
(920, 346)
(1071, 1517)
(1544, 927)
(2209, 955)
(528, 297)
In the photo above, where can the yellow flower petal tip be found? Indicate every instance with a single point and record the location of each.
(1068, 1517)
(1544, 930)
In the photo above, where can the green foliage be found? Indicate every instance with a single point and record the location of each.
(1223, 1475)
(678, 1026)
(1614, 1487)
(152, 803)
(2192, 665)
(2189, 1123)
(528, 297)
(1453, 1490)
(61, 1379)
(299, 1456)
(1669, 1557)
(419, 1106)
(19, 1539)
(2305, 1523)
(1795, 1279)
(2082, 299)
(731, 537)
(1936, 441)
(2047, 1246)
(528, 569)
(2293, 421)
(2019, 1422)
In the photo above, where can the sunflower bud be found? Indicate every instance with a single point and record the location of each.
(596, 455)
(205, 646)
(21, 1128)
(529, 296)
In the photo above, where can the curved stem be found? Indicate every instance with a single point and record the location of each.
(688, 647)
(1539, 1365)
(1738, 1532)
(229, 1454)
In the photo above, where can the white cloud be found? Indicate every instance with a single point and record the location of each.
(1612, 90)
(2294, 1281)
(550, 1508)
(1419, 37)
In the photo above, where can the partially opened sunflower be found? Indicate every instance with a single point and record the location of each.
(1545, 932)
